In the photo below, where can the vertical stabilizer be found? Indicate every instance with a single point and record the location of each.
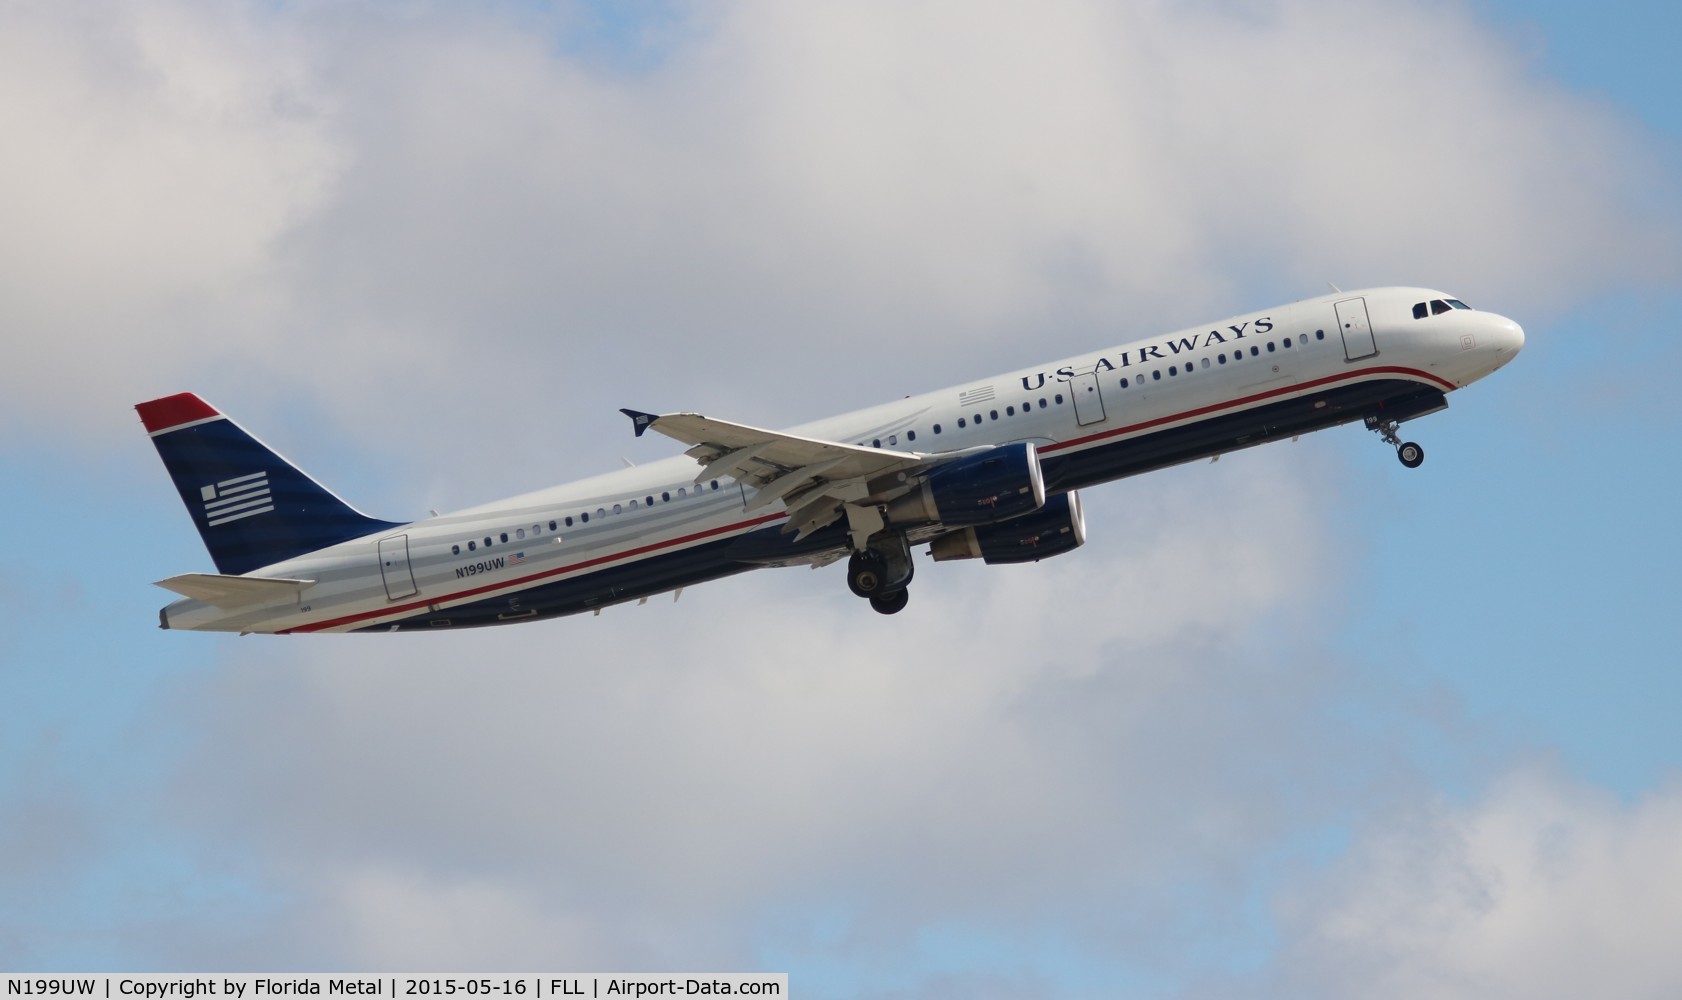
(251, 506)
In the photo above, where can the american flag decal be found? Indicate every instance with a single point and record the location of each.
(516, 558)
(974, 396)
(232, 499)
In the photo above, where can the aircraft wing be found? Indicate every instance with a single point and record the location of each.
(234, 591)
(814, 478)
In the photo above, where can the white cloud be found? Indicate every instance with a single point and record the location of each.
(1021, 744)
(452, 238)
(154, 153)
(444, 215)
(1541, 888)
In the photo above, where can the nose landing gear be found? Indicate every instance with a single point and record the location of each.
(1410, 454)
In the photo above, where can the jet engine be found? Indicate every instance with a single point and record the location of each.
(994, 485)
(1054, 529)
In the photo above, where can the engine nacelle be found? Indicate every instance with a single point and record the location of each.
(995, 485)
(1054, 529)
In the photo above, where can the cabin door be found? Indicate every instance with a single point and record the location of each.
(1089, 399)
(1357, 331)
(394, 567)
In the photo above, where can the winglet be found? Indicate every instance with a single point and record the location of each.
(640, 420)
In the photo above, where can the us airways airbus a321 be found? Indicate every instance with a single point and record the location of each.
(985, 470)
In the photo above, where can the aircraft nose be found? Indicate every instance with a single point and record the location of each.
(1508, 335)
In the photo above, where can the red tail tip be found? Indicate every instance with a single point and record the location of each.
(173, 411)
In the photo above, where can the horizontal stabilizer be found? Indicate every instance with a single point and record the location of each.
(234, 591)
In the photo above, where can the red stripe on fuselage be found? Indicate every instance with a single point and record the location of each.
(586, 564)
(173, 411)
(1204, 411)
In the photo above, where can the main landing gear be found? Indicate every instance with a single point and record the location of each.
(1410, 454)
(881, 574)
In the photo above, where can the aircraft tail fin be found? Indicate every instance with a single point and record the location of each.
(251, 506)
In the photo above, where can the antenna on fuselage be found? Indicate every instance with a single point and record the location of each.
(1335, 290)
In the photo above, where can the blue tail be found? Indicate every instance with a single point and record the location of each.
(251, 506)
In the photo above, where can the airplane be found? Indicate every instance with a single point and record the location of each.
(986, 470)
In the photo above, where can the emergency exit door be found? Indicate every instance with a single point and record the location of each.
(1089, 399)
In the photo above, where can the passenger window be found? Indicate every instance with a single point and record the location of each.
(665, 498)
(1042, 402)
(910, 436)
(455, 550)
(601, 511)
(976, 418)
(1287, 342)
(960, 424)
(937, 428)
(1156, 375)
(1173, 371)
(505, 537)
(993, 414)
(876, 443)
(681, 493)
(1438, 307)
(1205, 362)
(552, 526)
(893, 439)
(568, 521)
(519, 532)
(1010, 411)
(1124, 381)
(1419, 310)
(1270, 347)
(472, 546)
(1255, 352)
(715, 484)
(1221, 358)
(1059, 399)
(584, 517)
(649, 500)
(1319, 335)
(487, 541)
(618, 509)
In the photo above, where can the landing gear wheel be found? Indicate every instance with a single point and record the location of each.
(891, 603)
(1411, 454)
(865, 576)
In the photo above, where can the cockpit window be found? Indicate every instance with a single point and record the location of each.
(1438, 307)
(1456, 303)
(1419, 310)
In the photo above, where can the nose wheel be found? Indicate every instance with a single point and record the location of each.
(1410, 454)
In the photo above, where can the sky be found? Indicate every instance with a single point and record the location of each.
(1298, 723)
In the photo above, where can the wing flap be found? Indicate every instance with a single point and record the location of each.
(234, 591)
(816, 479)
(756, 456)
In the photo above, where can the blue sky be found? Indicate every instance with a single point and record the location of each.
(1298, 723)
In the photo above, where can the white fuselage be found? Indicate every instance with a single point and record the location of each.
(1097, 416)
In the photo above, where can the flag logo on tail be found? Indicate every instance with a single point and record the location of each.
(232, 499)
